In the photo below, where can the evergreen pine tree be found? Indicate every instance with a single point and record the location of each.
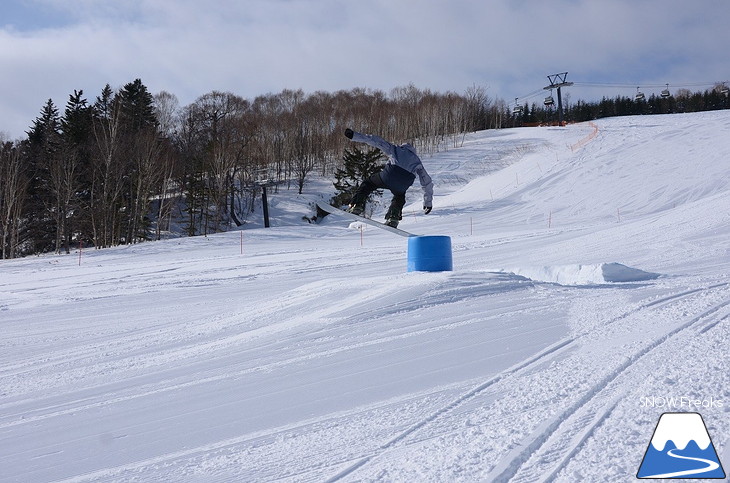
(43, 148)
(141, 149)
(357, 166)
(104, 105)
(43, 135)
(138, 106)
(77, 132)
(76, 121)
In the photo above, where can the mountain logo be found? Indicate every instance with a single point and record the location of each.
(681, 448)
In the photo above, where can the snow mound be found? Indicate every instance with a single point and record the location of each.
(357, 225)
(584, 274)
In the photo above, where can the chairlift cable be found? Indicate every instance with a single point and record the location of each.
(520, 100)
(648, 86)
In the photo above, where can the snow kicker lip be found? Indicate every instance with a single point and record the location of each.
(596, 274)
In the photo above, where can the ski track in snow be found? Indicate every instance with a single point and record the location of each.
(314, 356)
(557, 439)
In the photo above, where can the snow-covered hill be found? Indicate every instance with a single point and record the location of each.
(591, 284)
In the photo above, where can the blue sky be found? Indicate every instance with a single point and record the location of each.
(49, 48)
(27, 16)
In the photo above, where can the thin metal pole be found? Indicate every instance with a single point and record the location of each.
(266, 206)
(560, 108)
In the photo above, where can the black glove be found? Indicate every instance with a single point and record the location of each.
(348, 133)
(426, 210)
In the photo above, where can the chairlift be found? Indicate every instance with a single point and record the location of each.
(639, 95)
(724, 90)
(549, 101)
(666, 93)
(517, 109)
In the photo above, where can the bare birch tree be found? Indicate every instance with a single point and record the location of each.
(13, 188)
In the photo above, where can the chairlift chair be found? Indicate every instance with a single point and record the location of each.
(665, 92)
(517, 109)
(639, 95)
(724, 90)
(549, 101)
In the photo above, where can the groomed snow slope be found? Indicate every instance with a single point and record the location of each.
(591, 275)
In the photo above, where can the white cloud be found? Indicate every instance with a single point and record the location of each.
(188, 47)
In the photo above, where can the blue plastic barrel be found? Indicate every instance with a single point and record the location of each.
(429, 254)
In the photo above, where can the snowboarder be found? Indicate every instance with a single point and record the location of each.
(397, 175)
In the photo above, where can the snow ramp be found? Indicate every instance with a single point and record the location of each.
(595, 274)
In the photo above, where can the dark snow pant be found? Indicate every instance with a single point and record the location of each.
(393, 178)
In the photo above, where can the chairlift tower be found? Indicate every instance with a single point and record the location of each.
(556, 82)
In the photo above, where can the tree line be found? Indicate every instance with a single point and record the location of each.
(126, 166)
(681, 101)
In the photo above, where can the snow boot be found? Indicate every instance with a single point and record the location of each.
(392, 222)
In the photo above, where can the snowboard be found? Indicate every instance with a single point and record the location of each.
(336, 211)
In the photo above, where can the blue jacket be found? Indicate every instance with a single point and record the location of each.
(403, 156)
